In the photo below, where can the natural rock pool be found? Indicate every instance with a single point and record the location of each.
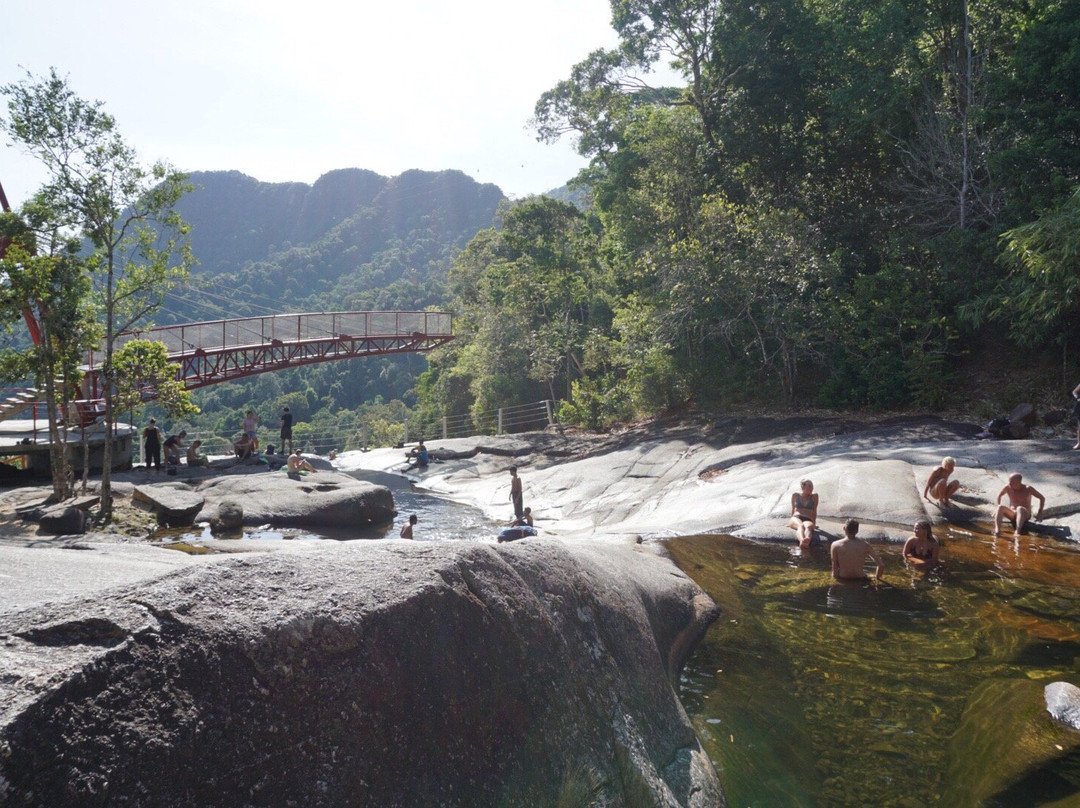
(925, 691)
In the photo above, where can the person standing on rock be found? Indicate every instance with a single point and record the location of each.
(250, 427)
(804, 505)
(515, 493)
(286, 428)
(938, 485)
(152, 445)
(1019, 507)
(849, 555)
(407, 528)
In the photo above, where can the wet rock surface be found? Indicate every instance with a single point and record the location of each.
(1063, 703)
(374, 673)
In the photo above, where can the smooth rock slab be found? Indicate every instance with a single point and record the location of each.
(174, 506)
(368, 673)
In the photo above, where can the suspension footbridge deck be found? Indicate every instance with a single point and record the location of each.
(222, 350)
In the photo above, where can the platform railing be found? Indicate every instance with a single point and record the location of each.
(217, 335)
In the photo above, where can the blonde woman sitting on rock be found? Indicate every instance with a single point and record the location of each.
(804, 504)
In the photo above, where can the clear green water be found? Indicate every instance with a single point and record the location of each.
(925, 691)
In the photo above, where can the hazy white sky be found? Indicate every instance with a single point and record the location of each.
(285, 91)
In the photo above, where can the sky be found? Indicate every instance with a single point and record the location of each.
(288, 91)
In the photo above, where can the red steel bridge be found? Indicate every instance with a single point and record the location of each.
(223, 350)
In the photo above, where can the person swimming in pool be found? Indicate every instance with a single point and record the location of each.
(804, 505)
(922, 549)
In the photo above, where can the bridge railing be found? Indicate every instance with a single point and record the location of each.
(216, 335)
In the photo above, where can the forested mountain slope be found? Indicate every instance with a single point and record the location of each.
(337, 244)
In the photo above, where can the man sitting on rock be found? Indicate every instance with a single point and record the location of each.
(297, 463)
(1019, 508)
(243, 447)
(195, 457)
(418, 457)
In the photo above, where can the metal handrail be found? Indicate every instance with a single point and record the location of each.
(217, 335)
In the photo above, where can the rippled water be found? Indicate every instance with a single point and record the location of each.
(807, 692)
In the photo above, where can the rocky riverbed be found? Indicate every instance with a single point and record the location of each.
(458, 673)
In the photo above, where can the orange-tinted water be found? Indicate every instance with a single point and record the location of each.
(808, 692)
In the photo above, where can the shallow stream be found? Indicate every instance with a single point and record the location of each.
(915, 693)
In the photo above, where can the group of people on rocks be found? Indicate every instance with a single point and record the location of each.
(244, 446)
(922, 550)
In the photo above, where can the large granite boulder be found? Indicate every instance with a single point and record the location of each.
(319, 499)
(63, 521)
(372, 673)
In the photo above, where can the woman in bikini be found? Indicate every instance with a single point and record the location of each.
(921, 550)
(803, 520)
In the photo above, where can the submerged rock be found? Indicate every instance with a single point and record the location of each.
(375, 673)
(1007, 747)
(1063, 703)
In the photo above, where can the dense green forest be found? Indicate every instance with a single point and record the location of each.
(845, 199)
(846, 203)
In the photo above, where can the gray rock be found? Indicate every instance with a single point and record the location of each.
(1025, 414)
(373, 673)
(174, 506)
(1019, 430)
(63, 521)
(229, 517)
(1063, 703)
(319, 499)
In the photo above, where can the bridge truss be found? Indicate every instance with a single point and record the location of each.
(224, 350)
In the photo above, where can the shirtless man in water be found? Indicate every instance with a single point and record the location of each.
(1019, 507)
(849, 554)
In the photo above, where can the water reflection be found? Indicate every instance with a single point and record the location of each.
(808, 692)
